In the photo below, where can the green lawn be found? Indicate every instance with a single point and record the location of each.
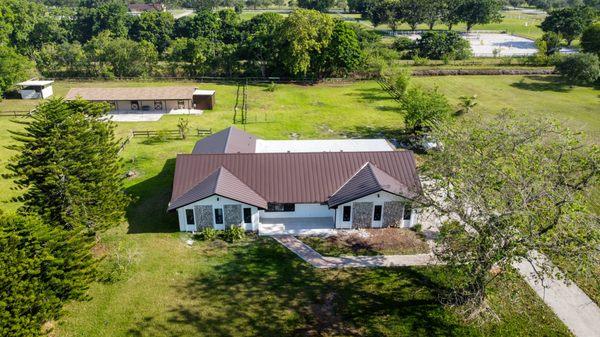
(257, 288)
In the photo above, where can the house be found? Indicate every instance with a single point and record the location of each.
(149, 99)
(34, 89)
(292, 192)
(139, 8)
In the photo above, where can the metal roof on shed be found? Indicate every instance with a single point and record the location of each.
(124, 94)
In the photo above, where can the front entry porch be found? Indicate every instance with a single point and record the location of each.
(296, 226)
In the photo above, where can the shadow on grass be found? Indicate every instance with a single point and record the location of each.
(264, 290)
(148, 214)
(543, 83)
(374, 132)
(371, 95)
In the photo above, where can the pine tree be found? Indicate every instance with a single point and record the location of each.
(68, 166)
(41, 267)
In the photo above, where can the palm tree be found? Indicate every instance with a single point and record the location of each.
(466, 105)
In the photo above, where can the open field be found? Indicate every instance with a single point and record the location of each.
(256, 287)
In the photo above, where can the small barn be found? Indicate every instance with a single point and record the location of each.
(204, 99)
(146, 99)
(35, 89)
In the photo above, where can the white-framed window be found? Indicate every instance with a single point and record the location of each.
(346, 213)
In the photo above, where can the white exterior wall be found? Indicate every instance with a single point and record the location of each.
(378, 198)
(168, 105)
(217, 201)
(47, 92)
(301, 211)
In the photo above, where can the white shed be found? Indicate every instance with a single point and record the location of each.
(34, 89)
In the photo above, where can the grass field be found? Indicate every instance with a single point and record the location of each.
(257, 288)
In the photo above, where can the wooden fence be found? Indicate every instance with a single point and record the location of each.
(151, 133)
(16, 113)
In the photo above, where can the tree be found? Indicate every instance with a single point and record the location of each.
(343, 54)
(229, 22)
(68, 166)
(47, 30)
(41, 268)
(413, 12)
(479, 12)
(65, 58)
(568, 22)
(13, 68)
(258, 44)
(106, 15)
(204, 24)
(424, 109)
(590, 39)
(579, 68)
(191, 53)
(549, 43)
(154, 27)
(451, 13)
(445, 44)
(303, 34)
(121, 57)
(512, 186)
(319, 5)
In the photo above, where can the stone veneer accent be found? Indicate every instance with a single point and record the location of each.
(392, 214)
(361, 214)
(204, 216)
(232, 215)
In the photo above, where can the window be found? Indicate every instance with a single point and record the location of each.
(346, 213)
(407, 212)
(247, 215)
(181, 104)
(189, 215)
(377, 213)
(277, 207)
(219, 216)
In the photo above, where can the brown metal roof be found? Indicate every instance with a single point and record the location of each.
(123, 94)
(223, 183)
(230, 140)
(293, 177)
(367, 180)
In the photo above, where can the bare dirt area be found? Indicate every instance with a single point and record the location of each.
(384, 241)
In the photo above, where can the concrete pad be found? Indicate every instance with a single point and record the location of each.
(186, 112)
(135, 117)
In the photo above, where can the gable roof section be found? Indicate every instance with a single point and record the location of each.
(230, 140)
(124, 94)
(296, 177)
(223, 183)
(368, 180)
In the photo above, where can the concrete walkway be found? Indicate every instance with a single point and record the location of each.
(317, 260)
(577, 311)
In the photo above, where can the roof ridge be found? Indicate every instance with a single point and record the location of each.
(350, 178)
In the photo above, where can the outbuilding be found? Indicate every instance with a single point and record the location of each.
(35, 89)
(204, 99)
(143, 99)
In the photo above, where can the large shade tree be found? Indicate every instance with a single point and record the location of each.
(568, 22)
(511, 187)
(303, 33)
(68, 166)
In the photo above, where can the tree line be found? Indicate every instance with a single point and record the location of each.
(103, 40)
(429, 12)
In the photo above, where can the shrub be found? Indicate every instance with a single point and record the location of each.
(272, 87)
(590, 39)
(207, 234)
(417, 228)
(420, 61)
(234, 233)
(437, 45)
(583, 68)
(401, 81)
(424, 109)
